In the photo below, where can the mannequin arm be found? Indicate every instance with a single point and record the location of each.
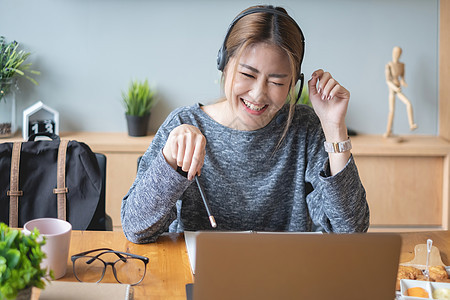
(388, 75)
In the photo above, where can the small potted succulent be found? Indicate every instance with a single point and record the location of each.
(12, 65)
(138, 100)
(20, 259)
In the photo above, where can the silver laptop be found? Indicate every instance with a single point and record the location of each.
(296, 266)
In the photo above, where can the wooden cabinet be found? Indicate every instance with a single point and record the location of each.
(407, 183)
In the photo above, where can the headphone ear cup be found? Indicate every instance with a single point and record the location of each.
(221, 58)
(301, 77)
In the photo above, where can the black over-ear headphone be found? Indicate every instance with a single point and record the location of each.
(222, 54)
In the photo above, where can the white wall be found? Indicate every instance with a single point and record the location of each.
(88, 50)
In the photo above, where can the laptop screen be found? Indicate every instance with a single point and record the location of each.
(296, 266)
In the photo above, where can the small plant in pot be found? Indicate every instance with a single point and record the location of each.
(20, 259)
(138, 101)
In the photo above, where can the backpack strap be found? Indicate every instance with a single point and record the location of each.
(61, 190)
(14, 192)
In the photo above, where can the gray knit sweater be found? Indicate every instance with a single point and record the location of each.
(250, 184)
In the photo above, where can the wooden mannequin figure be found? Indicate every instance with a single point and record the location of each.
(395, 79)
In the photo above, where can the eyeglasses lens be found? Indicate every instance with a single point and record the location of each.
(130, 270)
(88, 270)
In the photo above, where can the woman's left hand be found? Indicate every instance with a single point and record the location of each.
(330, 101)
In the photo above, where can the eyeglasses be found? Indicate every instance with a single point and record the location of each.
(128, 268)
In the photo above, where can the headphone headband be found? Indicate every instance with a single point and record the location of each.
(222, 55)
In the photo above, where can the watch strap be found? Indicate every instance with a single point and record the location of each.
(338, 147)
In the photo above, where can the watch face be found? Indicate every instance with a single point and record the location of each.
(41, 126)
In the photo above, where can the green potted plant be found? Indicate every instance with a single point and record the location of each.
(138, 101)
(12, 64)
(20, 259)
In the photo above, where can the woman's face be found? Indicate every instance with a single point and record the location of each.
(260, 87)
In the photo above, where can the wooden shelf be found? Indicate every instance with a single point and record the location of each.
(104, 141)
(413, 145)
(111, 142)
(407, 183)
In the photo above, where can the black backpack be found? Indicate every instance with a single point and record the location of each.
(56, 178)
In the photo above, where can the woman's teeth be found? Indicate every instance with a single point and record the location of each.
(253, 106)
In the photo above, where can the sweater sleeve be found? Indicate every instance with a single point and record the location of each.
(337, 203)
(344, 200)
(149, 206)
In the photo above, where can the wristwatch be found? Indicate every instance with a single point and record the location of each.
(338, 147)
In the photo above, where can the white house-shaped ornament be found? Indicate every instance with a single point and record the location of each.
(40, 118)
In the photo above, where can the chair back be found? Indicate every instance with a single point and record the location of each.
(100, 220)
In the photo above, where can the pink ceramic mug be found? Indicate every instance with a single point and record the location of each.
(57, 233)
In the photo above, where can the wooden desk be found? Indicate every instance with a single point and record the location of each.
(169, 270)
(441, 239)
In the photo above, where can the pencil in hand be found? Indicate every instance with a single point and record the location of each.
(205, 202)
(212, 220)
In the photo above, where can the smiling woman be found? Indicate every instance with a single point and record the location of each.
(262, 159)
(256, 91)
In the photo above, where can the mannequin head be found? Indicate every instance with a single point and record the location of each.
(396, 52)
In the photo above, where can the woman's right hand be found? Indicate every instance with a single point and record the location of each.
(185, 147)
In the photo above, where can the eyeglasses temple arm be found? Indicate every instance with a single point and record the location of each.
(107, 250)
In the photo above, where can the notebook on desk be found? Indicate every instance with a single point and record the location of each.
(66, 290)
(296, 266)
